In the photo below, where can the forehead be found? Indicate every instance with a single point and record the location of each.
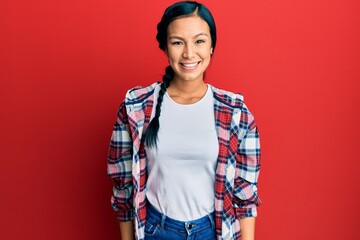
(188, 26)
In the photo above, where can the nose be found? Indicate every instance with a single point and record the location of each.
(188, 51)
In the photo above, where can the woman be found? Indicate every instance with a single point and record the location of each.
(184, 155)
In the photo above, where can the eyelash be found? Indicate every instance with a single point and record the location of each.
(176, 43)
(179, 43)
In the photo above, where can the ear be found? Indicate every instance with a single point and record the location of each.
(166, 52)
(211, 51)
(167, 55)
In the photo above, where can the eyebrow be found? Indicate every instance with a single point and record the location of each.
(197, 35)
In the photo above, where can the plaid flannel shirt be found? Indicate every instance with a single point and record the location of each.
(237, 169)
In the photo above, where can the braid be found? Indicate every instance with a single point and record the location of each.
(153, 128)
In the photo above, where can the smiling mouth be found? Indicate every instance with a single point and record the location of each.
(190, 65)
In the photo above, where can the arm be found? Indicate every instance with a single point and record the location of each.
(120, 171)
(127, 230)
(246, 176)
(247, 226)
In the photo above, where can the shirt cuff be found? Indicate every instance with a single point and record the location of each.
(125, 216)
(245, 212)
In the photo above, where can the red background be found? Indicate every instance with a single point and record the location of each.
(65, 67)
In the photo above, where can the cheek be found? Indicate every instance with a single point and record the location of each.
(173, 54)
(206, 52)
(206, 55)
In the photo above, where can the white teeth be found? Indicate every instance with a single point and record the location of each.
(190, 64)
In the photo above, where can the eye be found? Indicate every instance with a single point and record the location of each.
(199, 41)
(176, 43)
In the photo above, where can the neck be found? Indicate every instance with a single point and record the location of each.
(187, 88)
(186, 92)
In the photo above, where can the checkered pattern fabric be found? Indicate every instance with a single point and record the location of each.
(237, 169)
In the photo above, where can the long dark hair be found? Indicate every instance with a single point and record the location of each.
(179, 9)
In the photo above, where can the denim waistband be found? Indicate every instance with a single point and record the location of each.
(181, 226)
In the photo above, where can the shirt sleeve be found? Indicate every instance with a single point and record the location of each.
(119, 167)
(247, 168)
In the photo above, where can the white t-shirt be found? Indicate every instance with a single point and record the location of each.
(181, 171)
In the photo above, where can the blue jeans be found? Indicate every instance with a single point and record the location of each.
(161, 227)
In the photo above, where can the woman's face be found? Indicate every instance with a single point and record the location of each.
(189, 48)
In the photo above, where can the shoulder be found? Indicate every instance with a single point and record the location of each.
(140, 94)
(234, 100)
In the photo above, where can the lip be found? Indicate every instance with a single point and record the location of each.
(190, 65)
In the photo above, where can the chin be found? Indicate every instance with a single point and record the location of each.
(186, 76)
(190, 78)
